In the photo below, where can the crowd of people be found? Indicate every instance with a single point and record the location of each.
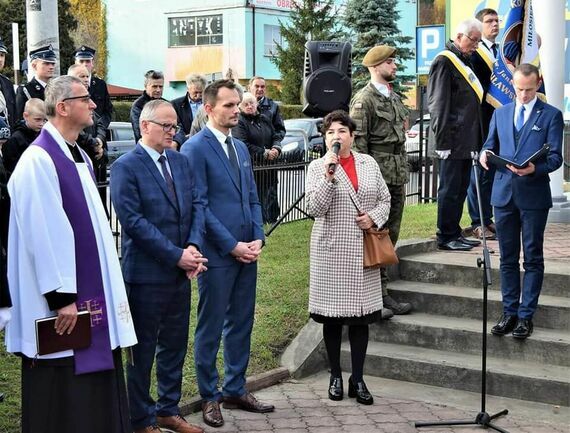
(191, 207)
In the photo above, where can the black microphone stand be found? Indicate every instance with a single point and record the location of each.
(483, 418)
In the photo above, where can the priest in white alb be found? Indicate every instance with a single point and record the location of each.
(62, 260)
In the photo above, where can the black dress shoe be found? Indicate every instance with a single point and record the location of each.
(359, 391)
(523, 329)
(396, 307)
(455, 245)
(336, 391)
(386, 314)
(472, 242)
(505, 325)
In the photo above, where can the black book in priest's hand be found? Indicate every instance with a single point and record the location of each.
(48, 341)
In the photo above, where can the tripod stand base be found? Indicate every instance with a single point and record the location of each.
(483, 419)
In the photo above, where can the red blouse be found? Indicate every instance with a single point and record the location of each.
(350, 169)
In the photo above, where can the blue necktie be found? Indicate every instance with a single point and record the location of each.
(232, 156)
(520, 119)
(167, 178)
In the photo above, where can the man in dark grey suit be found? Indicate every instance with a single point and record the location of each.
(162, 220)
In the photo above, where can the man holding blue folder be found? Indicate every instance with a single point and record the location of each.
(521, 196)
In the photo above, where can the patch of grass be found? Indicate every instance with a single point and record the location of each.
(281, 307)
(420, 221)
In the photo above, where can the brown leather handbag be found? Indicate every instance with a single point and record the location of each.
(378, 248)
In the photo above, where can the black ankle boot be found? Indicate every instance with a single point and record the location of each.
(359, 391)
(336, 390)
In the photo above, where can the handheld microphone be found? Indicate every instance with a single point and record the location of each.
(335, 149)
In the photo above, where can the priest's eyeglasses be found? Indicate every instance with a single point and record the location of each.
(84, 98)
(167, 127)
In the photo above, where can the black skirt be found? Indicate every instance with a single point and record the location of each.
(55, 400)
(350, 321)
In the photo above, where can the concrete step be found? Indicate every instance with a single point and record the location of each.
(512, 379)
(443, 267)
(553, 312)
(462, 335)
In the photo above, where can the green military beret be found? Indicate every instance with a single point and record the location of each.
(377, 55)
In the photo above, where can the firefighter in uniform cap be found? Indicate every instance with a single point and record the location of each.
(84, 55)
(381, 120)
(42, 62)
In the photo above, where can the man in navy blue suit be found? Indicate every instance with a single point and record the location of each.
(521, 196)
(233, 241)
(162, 219)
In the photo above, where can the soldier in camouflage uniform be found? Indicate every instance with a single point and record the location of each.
(381, 121)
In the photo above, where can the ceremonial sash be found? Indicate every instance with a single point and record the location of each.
(90, 292)
(466, 72)
(484, 54)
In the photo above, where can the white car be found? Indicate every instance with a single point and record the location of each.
(413, 142)
(120, 140)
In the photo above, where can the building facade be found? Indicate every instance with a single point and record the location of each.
(208, 37)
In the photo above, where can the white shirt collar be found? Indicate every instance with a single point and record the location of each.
(220, 136)
(382, 88)
(487, 44)
(527, 110)
(152, 152)
(527, 107)
(41, 82)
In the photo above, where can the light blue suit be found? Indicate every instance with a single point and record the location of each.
(521, 203)
(227, 289)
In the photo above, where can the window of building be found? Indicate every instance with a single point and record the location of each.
(271, 37)
(191, 31)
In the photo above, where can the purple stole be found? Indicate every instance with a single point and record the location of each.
(90, 293)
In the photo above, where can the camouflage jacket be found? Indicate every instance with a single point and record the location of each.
(380, 131)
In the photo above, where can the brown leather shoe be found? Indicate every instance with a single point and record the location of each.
(177, 424)
(489, 235)
(247, 402)
(212, 414)
(149, 429)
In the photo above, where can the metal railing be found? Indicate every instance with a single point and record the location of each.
(281, 186)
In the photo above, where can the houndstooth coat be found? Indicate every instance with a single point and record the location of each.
(339, 285)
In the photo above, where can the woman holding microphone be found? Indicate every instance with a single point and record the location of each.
(346, 194)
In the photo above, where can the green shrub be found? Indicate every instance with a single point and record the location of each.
(122, 110)
(291, 111)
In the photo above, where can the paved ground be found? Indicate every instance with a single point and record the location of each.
(302, 406)
(556, 244)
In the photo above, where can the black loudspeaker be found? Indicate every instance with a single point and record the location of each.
(326, 84)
